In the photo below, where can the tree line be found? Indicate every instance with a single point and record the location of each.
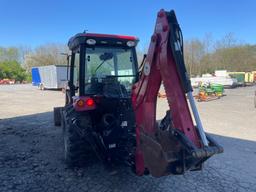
(10, 65)
(16, 62)
(207, 55)
(201, 56)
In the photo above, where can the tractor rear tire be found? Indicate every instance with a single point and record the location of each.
(57, 115)
(76, 149)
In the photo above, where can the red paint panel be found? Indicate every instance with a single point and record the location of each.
(126, 37)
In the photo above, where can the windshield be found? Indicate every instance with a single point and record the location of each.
(102, 62)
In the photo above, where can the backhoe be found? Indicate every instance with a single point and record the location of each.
(110, 108)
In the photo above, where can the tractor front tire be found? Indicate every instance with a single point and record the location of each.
(76, 149)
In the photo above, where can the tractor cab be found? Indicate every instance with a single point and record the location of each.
(98, 111)
(103, 64)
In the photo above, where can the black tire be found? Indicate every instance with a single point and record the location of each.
(57, 116)
(41, 87)
(76, 149)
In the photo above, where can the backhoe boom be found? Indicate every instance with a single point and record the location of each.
(179, 145)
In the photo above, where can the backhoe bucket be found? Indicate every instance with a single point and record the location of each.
(170, 152)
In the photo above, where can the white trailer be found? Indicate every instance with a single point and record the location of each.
(49, 77)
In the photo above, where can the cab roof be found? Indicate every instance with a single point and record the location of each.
(110, 39)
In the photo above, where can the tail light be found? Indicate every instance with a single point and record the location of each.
(83, 103)
(90, 102)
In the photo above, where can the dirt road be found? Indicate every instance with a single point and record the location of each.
(31, 156)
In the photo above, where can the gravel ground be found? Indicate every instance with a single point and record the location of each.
(31, 157)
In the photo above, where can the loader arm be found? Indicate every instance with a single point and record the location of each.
(177, 145)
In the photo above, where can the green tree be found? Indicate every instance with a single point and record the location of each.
(12, 70)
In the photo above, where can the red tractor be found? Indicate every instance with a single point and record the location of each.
(110, 105)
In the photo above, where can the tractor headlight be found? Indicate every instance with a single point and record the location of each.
(90, 41)
(130, 43)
